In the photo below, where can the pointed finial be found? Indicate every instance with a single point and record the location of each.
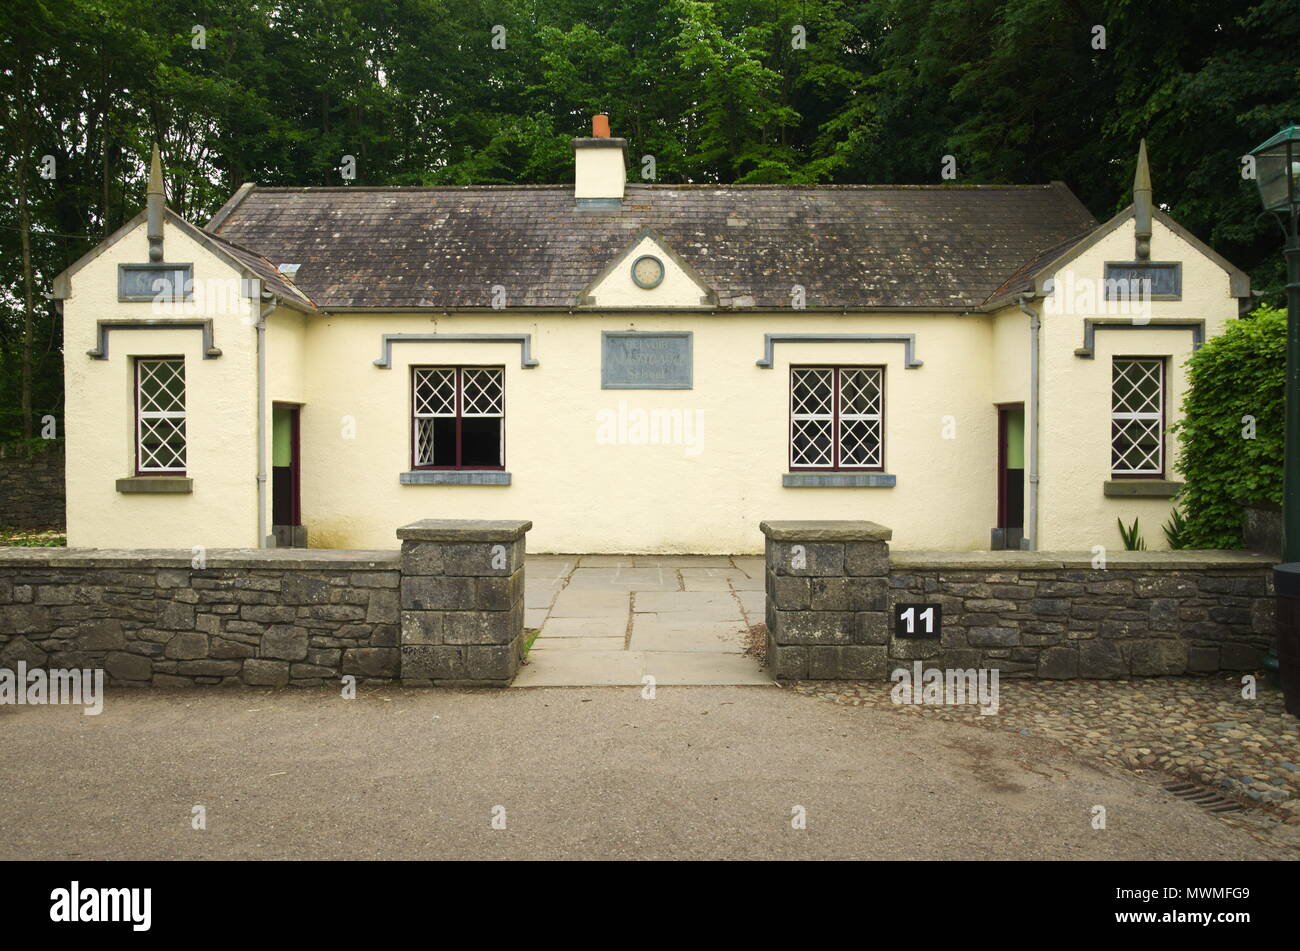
(155, 173)
(1142, 204)
(155, 202)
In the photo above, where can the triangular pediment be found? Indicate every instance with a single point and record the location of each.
(664, 282)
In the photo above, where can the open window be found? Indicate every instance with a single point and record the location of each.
(458, 417)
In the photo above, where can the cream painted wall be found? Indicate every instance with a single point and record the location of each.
(100, 418)
(677, 289)
(1010, 349)
(286, 356)
(1075, 425)
(598, 172)
(709, 495)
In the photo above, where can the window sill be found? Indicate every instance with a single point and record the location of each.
(156, 485)
(873, 480)
(1141, 488)
(454, 477)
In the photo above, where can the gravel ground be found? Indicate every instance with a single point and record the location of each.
(1198, 729)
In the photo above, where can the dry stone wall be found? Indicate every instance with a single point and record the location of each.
(31, 486)
(447, 609)
(152, 618)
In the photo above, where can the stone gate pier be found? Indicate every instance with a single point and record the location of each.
(462, 598)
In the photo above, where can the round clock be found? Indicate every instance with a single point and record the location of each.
(647, 271)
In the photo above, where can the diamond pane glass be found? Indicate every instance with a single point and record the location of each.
(836, 417)
(162, 386)
(160, 415)
(811, 444)
(859, 443)
(457, 418)
(424, 442)
(812, 393)
(435, 392)
(1137, 417)
(860, 392)
(481, 392)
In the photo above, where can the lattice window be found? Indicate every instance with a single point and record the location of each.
(458, 416)
(160, 415)
(836, 417)
(1137, 442)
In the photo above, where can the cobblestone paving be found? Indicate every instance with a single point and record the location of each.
(1198, 729)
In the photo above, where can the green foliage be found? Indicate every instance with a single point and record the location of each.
(1232, 433)
(1176, 530)
(29, 538)
(27, 447)
(1132, 536)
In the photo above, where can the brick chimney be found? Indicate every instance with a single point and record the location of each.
(600, 167)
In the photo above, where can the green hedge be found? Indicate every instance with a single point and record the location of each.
(1235, 375)
(27, 447)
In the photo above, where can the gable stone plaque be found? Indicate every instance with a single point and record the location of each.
(633, 360)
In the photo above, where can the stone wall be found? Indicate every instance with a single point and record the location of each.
(448, 608)
(830, 610)
(31, 485)
(151, 618)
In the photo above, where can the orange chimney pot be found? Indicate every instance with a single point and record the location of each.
(600, 127)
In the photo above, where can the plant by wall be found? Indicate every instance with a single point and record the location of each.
(1176, 530)
(1231, 436)
(1132, 536)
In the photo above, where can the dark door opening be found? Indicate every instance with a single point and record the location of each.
(1011, 477)
(286, 512)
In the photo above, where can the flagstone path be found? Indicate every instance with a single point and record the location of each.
(616, 619)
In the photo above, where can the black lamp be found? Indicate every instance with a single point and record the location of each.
(1277, 174)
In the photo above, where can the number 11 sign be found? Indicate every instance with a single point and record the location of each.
(918, 620)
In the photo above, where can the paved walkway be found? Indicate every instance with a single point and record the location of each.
(612, 620)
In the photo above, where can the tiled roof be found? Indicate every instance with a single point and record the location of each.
(1024, 275)
(849, 246)
(277, 283)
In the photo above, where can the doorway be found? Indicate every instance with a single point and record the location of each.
(286, 486)
(1011, 477)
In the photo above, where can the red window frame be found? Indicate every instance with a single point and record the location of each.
(835, 418)
(135, 439)
(415, 420)
(1163, 362)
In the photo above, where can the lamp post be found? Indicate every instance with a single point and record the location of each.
(1277, 174)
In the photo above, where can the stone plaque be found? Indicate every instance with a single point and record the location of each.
(1143, 281)
(164, 282)
(631, 360)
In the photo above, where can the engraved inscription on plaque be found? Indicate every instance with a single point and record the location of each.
(166, 282)
(632, 360)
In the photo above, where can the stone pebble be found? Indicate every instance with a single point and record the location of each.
(1214, 737)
